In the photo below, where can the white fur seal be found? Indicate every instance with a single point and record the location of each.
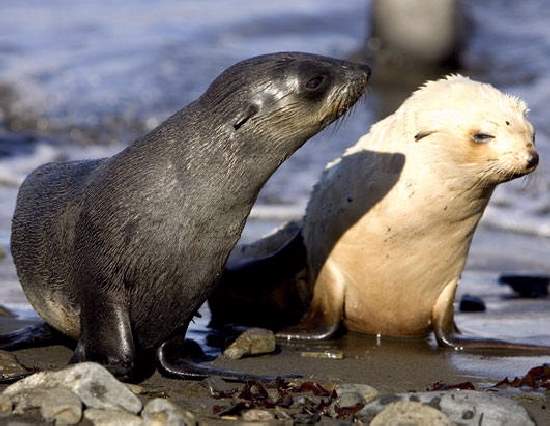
(388, 227)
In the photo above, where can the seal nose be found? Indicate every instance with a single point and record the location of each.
(533, 159)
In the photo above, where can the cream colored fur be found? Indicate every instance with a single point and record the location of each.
(391, 221)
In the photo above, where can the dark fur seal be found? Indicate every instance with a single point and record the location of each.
(119, 253)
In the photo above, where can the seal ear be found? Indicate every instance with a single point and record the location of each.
(246, 114)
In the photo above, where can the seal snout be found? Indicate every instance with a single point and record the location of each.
(532, 159)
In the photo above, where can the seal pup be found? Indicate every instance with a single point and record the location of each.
(119, 253)
(388, 227)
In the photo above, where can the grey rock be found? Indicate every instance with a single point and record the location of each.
(367, 393)
(255, 415)
(112, 418)
(350, 399)
(410, 414)
(10, 366)
(465, 407)
(95, 386)
(254, 341)
(160, 412)
(56, 404)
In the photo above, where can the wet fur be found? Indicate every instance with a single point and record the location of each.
(120, 252)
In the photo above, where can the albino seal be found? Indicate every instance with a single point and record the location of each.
(388, 227)
(119, 253)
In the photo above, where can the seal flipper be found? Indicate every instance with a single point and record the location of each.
(326, 311)
(173, 364)
(106, 336)
(33, 336)
(263, 283)
(447, 336)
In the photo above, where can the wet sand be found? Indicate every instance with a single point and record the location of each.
(390, 365)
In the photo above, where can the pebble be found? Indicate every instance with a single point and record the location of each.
(57, 404)
(410, 414)
(531, 286)
(366, 393)
(465, 407)
(257, 416)
(469, 303)
(324, 354)
(112, 418)
(95, 386)
(160, 412)
(10, 367)
(254, 341)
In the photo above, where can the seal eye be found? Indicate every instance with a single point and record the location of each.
(315, 82)
(482, 137)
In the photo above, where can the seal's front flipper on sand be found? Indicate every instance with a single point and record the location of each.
(106, 336)
(183, 359)
(448, 336)
(33, 336)
(326, 310)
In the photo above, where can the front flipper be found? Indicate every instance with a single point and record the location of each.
(324, 317)
(106, 336)
(182, 359)
(448, 336)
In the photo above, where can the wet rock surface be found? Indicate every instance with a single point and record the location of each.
(410, 414)
(93, 384)
(160, 412)
(112, 418)
(470, 303)
(254, 341)
(56, 404)
(529, 286)
(465, 407)
(11, 368)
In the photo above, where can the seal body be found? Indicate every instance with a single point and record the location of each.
(388, 227)
(120, 252)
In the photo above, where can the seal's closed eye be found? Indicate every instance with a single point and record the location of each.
(482, 137)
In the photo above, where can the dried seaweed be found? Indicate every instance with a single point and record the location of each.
(537, 377)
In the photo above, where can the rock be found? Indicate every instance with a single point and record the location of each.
(257, 416)
(160, 412)
(57, 404)
(10, 368)
(2, 254)
(253, 341)
(366, 392)
(465, 407)
(350, 400)
(137, 389)
(469, 303)
(531, 286)
(324, 354)
(410, 414)
(95, 386)
(112, 418)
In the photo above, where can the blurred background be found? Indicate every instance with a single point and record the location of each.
(83, 79)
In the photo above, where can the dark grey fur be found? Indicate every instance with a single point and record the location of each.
(119, 253)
